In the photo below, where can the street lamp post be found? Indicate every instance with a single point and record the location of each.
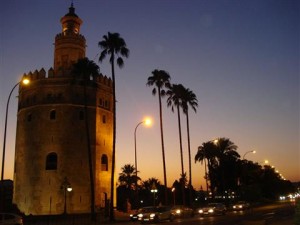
(154, 191)
(173, 191)
(147, 122)
(253, 151)
(24, 81)
(66, 186)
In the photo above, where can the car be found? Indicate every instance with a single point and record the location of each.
(181, 211)
(155, 214)
(241, 205)
(134, 216)
(213, 209)
(10, 219)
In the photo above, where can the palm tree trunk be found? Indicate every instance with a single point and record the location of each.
(190, 160)
(181, 153)
(163, 148)
(112, 216)
(93, 217)
(206, 175)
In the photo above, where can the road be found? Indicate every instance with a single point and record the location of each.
(257, 215)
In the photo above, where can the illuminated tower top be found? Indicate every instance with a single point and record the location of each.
(71, 22)
(69, 45)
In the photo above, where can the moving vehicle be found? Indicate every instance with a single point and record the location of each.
(241, 205)
(181, 211)
(212, 209)
(134, 216)
(10, 219)
(155, 214)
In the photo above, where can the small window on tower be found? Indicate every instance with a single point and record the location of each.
(53, 115)
(103, 119)
(51, 161)
(104, 163)
(29, 117)
(81, 115)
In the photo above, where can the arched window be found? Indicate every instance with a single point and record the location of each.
(104, 163)
(53, 114)
(51, 161)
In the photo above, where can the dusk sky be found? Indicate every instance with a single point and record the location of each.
(240, 58)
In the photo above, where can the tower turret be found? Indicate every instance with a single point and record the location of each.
(69, 45)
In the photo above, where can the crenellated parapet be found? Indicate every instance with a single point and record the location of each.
(35, 75)
(103, 79)
(41, 74)
(63, 35)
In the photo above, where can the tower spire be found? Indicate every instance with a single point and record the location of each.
(70, 44)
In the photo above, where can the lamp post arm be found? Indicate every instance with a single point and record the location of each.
(247, 153)
(5, 127)
(135, 153)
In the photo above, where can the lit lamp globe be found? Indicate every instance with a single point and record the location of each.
(148, 121)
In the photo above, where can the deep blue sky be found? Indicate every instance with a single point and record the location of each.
(241, 59)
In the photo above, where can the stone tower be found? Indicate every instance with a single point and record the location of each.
(52, 140)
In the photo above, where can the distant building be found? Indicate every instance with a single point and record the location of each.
(51, 138)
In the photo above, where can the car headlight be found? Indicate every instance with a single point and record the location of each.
(200, 211)
(210, 210)
(178, 211)
(234, 207)
(152, 215)
(240, 206)
(140, 215)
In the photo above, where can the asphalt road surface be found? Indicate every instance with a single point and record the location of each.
(267, 214)
(258, 215)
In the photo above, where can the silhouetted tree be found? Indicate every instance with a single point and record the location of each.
(160, 79)
(189, 99)
(84, 69)
(175, 96)
(128, 179)
(114, 46)
(222, 162)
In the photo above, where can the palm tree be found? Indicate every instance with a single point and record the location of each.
(207, 151)
(160, 79)
(128, 179)
(149, 183)
(115, 46)
(189, 99)
(222, 162)
(227, 157)
(84, 69)
(128, 176)
(175, 94)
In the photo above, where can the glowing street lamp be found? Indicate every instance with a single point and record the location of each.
(154, 191)
(253, 151)
(66, 186)
(24, 81)
(147, 122)
(216, 141)
(173, 191)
